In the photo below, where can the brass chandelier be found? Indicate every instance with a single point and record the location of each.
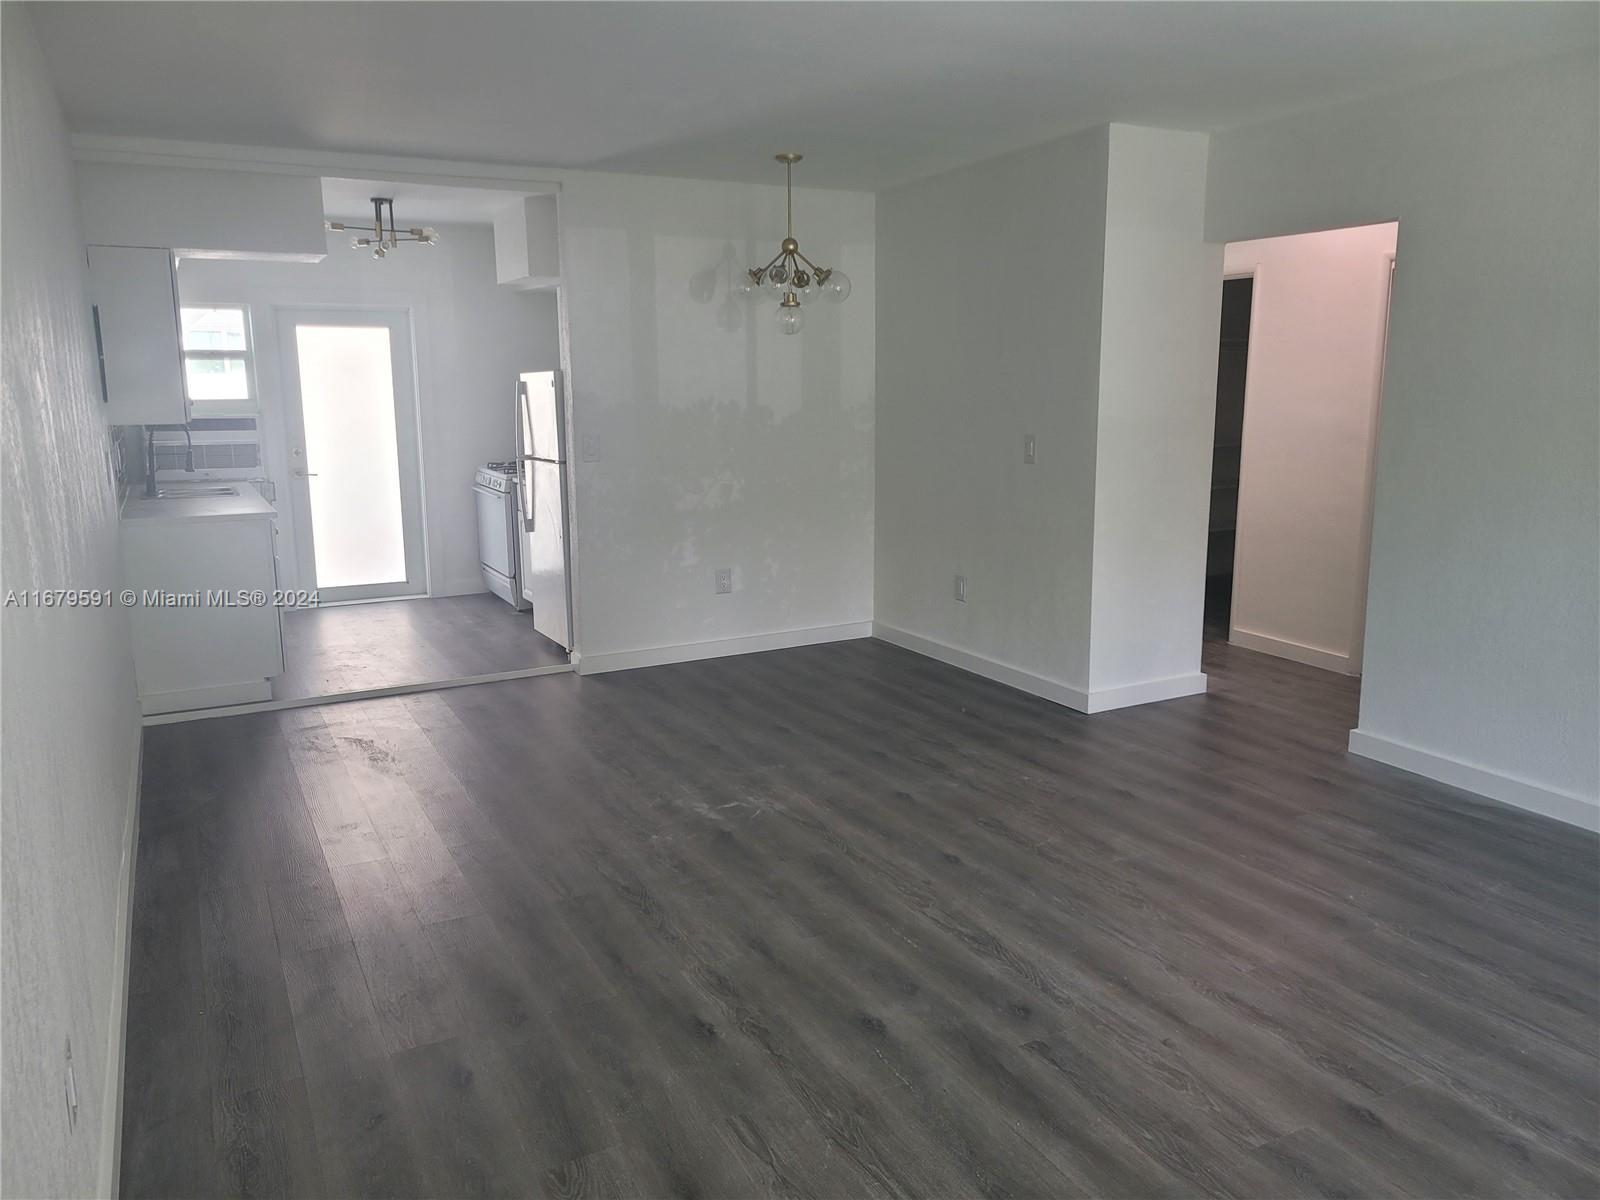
(385, 237)
(790, 274)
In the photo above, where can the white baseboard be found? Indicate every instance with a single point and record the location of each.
(466, 586)
(1076, 698)
(1311, 656)
(253, 691)
(1024, 681)
(1519, 793)
(656, 656)
(121, 962)
(1147, 692)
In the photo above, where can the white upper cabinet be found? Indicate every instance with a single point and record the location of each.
(135, 296)
(527, 250)
(199, 213)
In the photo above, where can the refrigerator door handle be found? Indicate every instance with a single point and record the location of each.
(525, 485)
(559, 395)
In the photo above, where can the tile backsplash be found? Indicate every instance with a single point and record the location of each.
(224, 447)
(209, 456)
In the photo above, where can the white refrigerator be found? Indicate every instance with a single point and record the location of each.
(542, 503)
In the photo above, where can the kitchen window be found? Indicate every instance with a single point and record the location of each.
(218, 374)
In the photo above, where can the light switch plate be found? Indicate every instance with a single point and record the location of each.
(589, 447)
(1030, 448)
(961, 588)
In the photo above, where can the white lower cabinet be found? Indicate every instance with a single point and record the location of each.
(200, 639)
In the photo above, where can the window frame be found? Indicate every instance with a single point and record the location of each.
(250, 404)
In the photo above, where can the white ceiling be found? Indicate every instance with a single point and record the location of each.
(415, 203)
(874, 94)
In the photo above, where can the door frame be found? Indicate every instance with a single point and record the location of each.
(1358, 645)
(408, 444)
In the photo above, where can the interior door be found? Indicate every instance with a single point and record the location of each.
(355, 478)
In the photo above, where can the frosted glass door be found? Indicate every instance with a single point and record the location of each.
(353, 453)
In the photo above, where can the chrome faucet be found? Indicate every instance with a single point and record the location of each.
(150, 489)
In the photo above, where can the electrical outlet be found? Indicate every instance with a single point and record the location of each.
(1030, 448)
(724, 580)
(961, 588)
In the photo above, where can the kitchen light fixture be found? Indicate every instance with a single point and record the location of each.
(790, 274)
(386, 238)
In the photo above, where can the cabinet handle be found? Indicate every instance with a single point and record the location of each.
(100, 355)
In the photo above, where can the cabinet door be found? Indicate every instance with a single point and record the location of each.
(193, 647)
(136, 306)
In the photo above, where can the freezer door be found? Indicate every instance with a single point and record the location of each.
(544, 561)
(541, 415)
(525, 503)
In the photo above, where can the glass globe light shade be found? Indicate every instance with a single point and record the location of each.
(746, 288)
(778, 275)
(791, 320)
(837, 287)
(703, 285)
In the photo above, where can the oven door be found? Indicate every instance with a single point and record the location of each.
(497, 543)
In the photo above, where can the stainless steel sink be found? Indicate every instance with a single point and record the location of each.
(186, 491)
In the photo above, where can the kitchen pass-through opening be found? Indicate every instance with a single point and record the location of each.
(379, 396)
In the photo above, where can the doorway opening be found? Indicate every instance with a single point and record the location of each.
(1302, 341)
(1233, 356)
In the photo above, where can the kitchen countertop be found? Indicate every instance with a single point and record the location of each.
(249, 503)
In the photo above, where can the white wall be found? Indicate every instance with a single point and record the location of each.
(1482, 653)
(991, 332)
(70, 713)
(471, 337)
(1158, 368)
(1063, 291)
(1318, 310)
(722, 442)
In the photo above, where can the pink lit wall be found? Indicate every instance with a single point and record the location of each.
(1312, 393)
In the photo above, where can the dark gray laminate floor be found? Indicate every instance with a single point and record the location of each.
(359, 647)
(841, 921)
